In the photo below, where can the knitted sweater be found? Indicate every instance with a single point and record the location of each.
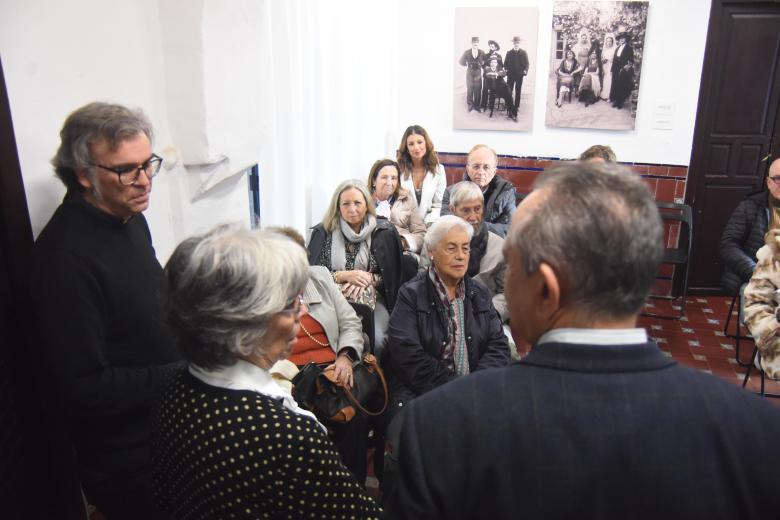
(97, 296)
(223, 453)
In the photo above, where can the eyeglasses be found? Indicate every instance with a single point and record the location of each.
(294, 307)
(128, 175)
(775, 179)
(484, 167)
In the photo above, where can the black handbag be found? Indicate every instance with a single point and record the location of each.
(317, 390)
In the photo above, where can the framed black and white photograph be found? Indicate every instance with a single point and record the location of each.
(494, 68)
(595, 64)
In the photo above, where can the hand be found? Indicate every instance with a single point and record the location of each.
(352, 292)
(355, 277)
(342, 369)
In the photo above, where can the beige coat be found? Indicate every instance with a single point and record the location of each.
(491, 273)
(407, 220)
(761, 304)
(331, 310)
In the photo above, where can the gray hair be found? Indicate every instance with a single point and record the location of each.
(88, 125)
(224, 288)
(330, 220)
(465, 191)
(441, 227)
(481, 147)
(598, 227)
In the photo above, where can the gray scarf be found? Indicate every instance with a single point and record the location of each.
(338, 252)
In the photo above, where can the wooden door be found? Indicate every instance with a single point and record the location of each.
(736, 126)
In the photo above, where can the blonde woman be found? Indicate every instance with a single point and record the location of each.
(363, 253)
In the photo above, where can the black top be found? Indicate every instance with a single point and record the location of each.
(240, 454)
(742, 238)
(97, 296)
(588, 431)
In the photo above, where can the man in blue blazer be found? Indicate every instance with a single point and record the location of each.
(595, 422)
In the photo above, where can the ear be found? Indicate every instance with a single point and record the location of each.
(549, 292)
(82, 175)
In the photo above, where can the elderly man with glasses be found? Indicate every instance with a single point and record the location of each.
(745, 230)
(498, 193)
(97, 300)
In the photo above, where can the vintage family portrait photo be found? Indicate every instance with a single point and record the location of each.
(595, 64)
(494, 68)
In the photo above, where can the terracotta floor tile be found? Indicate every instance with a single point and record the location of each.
(698, 341)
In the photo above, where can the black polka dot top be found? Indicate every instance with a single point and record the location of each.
(222, 454)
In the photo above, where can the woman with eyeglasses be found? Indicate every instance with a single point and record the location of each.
(444, 324)
(421, 172)
(231, 441)
(331, 336)
(363, 253)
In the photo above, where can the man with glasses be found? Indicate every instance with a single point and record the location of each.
(745, 230)
(97, 297)
(499, 194)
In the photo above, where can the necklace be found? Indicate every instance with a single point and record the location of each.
(315, 340)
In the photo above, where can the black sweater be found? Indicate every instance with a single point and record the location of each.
(97, 296)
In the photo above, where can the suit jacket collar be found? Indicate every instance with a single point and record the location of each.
(598, 358)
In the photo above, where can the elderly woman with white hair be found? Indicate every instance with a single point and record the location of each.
(444, 324)
(231, 441)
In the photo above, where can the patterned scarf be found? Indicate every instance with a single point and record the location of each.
(338, 250)
(454, 352)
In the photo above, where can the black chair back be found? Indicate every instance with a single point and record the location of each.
(366, 315)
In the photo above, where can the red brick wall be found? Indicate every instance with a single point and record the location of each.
(667, 182)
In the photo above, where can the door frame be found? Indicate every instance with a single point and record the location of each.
(697, 162)
(40, 463)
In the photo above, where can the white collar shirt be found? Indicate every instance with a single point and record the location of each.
(243, 375)
(594, 336)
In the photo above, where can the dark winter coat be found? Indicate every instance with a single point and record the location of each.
(418, 332)
(743, 235)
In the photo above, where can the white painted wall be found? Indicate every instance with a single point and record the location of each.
(314, 91)
(58, 56)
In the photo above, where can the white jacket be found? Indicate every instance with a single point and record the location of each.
(433, 187)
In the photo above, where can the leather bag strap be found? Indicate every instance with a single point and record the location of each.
(369, 359)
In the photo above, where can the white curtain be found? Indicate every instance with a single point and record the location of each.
(328, 98)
